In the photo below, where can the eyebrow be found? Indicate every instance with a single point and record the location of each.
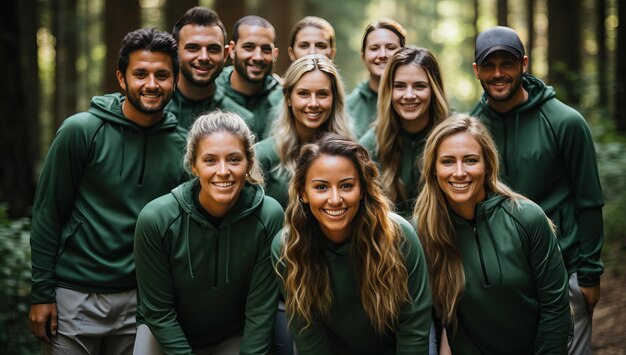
(342, 180)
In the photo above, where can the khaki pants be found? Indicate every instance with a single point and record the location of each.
(580, 344)
(94, 323)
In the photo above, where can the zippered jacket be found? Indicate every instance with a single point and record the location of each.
(348, 329)
(515, 299)
(100, 171)
(548, 155)
(362, 106)
(201, 284)
(263, 105)
(187, 110)
(410, 173)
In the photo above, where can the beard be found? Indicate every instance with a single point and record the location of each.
(516, 85)
(134, 98)
(188, 74)
(240, 67)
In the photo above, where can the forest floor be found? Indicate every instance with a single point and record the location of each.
(609, 317)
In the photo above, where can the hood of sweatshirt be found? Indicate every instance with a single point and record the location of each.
(250, 199)
(109, 108)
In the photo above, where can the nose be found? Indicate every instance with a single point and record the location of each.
(152, 82)
(257, 54)
(313, 102)
(223, 168)
(335, 197)
(382, 53)
(409, 93)
(204, 54)
(459, 170)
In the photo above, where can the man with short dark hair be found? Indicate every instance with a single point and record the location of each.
(202, 49)
(103, 166)
(249, 81)
(548, 155)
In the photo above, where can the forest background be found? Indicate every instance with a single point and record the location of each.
(57, 54)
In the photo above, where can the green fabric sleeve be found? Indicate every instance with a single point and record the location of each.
(591, 236)
(155, 284)
(415, 318)
(262, 299)
(551, 284)
(54, 201)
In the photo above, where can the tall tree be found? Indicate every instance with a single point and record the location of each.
(174, 9)
(230, 11)
(65, 74)
(620, 70)
(602, 57)
(530, 20)
(19, 105)
(564, 48)
(503, 12)
(120, 17)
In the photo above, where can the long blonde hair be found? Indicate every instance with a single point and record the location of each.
(388, 126)
(376, 245)
(434, 221)
(287, 141)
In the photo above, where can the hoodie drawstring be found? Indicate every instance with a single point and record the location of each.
(186, 232)
(123, 150)
(227, 263)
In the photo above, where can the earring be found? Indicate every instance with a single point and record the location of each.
(301, 200)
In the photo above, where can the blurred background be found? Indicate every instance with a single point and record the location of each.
(57, 54)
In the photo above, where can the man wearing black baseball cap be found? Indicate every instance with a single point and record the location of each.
(548, 155)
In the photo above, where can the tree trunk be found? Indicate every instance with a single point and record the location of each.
(602, 54)
(120, 17)
(564, 43)
(174, 9)
(65, 74)
(19, 105)
(475, 22)
(530, 19)
(503, 12)
(230, 11)
(620, 70)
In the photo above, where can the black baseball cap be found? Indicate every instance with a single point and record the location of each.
(498, 38)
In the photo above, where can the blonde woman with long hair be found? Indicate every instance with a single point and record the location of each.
(411, 102)
(352, 273)
(313, 104)
(496, 273)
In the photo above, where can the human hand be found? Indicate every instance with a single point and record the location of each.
(591, 295)
(42, 320)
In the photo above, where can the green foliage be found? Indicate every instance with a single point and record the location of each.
(15, 337)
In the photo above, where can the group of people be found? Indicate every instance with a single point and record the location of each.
(225, 210)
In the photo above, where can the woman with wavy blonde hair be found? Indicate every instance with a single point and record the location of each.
(411, 102)
(352, 273)
(490, 245)
(313, 104)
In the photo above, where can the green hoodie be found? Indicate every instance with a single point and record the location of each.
(548, 155)
(347, 329)
(276, 180)
(187, 110)
(410, 173)
(199, 284)
(362, 107)
(264, 105)
(515, 299)
(100, 171)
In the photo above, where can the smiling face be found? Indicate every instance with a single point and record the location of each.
(411, 97)
(254, 53)
(221, 167)
(202, 54)
(333, 191)
(380, 45)
(311, 40)
(500, 75)
(460, 170)
(148, 82)
(311, 102)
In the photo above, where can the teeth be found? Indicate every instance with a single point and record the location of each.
(336, 212)
(223, 184)
(460, 185)
(313, 114)
(409, 105)
(151, 96)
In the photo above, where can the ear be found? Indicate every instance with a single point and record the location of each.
(231, 49)
(475, 69)
(292, 56)
(194, 171)
(120, 79)
(275, 55)
(332, 53)
(363, 56)
(304, 197)
(525, 64)
(226, 52)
